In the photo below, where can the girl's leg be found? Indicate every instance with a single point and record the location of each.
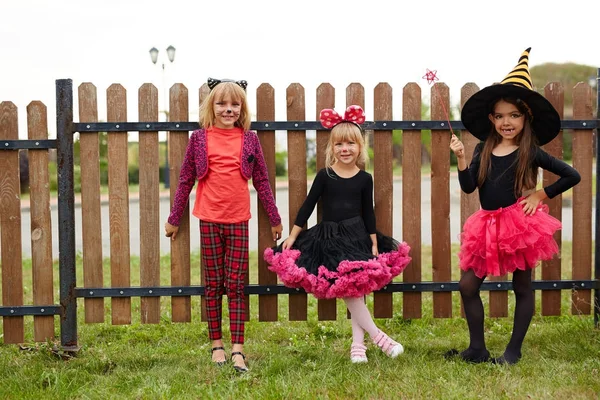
(212, 258)
(360, 313)
(236, 268)
(469, 290)
(357, 349)
(358, 333)
(524, 307)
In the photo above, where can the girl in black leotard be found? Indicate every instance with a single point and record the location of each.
(343, 256)
(513, 230)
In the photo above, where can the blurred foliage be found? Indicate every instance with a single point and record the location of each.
(567, 74)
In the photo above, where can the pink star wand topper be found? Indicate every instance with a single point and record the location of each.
(432, 78)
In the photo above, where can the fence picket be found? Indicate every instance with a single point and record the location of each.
(440, 200)
(296, 142)
(265, 111)
(411, 198)
(41, 232)
(469, 203)
(10, 226)
(91, 221)
(181, 306)
(118, 206)
(551, 269)
(583, 156)
(383, 177)
(149, 191)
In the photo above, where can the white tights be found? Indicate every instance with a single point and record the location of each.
(361, 319)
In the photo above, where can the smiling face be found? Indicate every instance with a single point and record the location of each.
(346, 145)
(507, 120)
(346, 151)
(227, 112)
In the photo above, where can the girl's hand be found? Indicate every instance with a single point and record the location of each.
(171, 230)
(457, 146)
(375, 250)
(531, 202)
(288, 243)
(276, 232)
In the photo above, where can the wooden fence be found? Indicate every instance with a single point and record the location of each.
(267, 289)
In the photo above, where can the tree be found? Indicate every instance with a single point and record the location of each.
(568, 74)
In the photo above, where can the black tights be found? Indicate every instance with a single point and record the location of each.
(524, 306)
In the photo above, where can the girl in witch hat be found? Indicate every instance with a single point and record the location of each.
(513, 230)
(344, 256)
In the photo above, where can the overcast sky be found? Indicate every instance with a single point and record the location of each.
(311, 42)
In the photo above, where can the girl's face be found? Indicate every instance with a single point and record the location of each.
(508, 120)
(346, 152)
(227, 112)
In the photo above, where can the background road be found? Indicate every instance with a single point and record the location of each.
(282, 203)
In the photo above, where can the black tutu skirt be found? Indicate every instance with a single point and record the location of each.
(335, 259)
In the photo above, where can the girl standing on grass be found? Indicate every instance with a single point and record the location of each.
(513, 230)
(343, 256)
(223, 155)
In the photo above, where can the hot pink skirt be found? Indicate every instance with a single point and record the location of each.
(504, 240)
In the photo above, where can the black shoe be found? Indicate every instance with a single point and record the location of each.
(239, 369)
(219, 363)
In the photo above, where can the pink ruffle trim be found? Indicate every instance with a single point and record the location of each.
(352, 278)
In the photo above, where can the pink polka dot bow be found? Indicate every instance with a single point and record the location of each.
(330, 118)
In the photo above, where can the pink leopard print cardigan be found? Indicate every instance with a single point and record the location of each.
(195, 166)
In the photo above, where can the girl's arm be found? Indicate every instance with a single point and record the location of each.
(374, 249)
(260, 181)
(306, 209)
(187, 179)
(292, 238)
(311, 200)
(368, 214)
(569, 177)
(467, 177)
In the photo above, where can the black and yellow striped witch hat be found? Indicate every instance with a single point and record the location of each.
(545, 121)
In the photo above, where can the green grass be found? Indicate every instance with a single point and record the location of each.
(305, 360)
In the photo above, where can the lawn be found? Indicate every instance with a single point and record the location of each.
(305, 360)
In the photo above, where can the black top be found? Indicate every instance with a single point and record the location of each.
(343, 198)
(498, 189)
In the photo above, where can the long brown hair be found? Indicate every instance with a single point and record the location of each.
(526, 175)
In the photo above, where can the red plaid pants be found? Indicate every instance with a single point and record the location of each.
(224, 250)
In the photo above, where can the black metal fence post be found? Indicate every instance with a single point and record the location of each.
(597, 246)
(66, 215)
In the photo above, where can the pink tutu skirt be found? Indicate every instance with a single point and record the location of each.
(504, 240)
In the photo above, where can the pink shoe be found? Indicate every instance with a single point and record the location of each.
(358, 353)
(387, 345)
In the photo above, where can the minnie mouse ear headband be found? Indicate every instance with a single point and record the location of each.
(545, 122)
(214, 82)
(330, 118)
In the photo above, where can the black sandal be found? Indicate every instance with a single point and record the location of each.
(219, 363)
(239, 369)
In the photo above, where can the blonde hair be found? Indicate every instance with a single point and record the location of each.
(346, 132)
(223, 90)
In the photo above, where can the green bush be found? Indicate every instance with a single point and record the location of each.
(281, 163)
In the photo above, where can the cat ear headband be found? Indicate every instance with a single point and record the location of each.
(214, 82)
(353, 114)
